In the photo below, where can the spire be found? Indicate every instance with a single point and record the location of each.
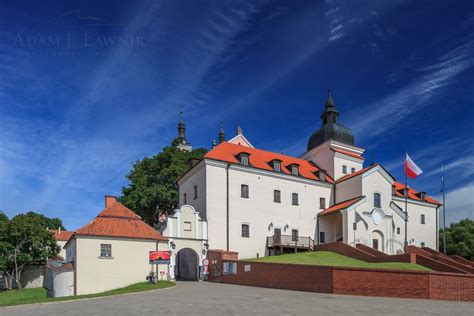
(330, 100)
(222, 134)
(330, 113)
(181, 128)
(214, 143)
(239, 130)
(182, 141)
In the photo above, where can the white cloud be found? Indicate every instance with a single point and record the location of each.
(459, 204)
(383, 114)
(332, 11)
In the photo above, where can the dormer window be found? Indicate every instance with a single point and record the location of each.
(294, 170)
(422, 196)
(276, 165)
(244, 159)
(321, 175)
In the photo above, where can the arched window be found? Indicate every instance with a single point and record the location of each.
(377, 202)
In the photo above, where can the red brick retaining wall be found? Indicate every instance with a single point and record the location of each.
(353, 281)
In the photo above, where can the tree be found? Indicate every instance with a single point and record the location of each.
(459, 239)
(152, 182)
(24, 241)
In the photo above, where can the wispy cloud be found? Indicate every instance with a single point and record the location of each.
(459, 204)
(385, 113)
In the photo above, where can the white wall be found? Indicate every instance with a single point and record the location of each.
(129, 263)
(62, 251)
(63, 282)
(259, 210)
(196, 177)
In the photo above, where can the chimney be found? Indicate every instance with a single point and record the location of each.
(109, 200)
(322, 175)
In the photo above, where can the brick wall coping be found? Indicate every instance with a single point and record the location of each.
(358, 269)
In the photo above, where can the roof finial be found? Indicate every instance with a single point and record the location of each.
(239, 130)
(214, 143)
(222, 133)
(330, 100)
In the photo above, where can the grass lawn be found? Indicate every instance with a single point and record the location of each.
(38, 295)
(327, 258)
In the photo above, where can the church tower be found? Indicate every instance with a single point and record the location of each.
(332, 146)
(183, 144)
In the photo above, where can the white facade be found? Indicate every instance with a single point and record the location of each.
(127, 265)
(219, 201)
(186, 231)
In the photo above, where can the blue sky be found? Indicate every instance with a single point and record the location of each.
(78, 105)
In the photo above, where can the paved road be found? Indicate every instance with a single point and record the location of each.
(202, 298)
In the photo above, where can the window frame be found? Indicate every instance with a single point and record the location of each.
(353, 170)
(242, 230)
(379, 195)
(104, 252)
(195, 192)
(423, 219)
(293, 195)
(293, 235)
(398, 230)
(244, 159)
(322, 238)
(185, 198)
(276, 165)
(242, 191)
(275, 200)
(322, 202)
(344, 169)
(295, 170)
(190, 226)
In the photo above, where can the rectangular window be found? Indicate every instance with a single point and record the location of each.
(195, 192)
(294, 170)
(294, 235)
(185, 198)
(294, 198)
(245, 230)
(322, 238)
(398, 230)
(105, 250)
(244, 191)
(187, 226)
(276, 196)
(322, 203)
(423, 218)
(244, 160)
(422, 244)
(353, 170)
(344, 169)
(276, 166)
(377, 202)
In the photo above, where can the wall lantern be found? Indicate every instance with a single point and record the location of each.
(206, 245)
(173, 245)
(286, 227)
(270, 226)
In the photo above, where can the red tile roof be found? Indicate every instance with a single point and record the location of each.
(116, 220)
(64, 235)
(348, 153)
(261, 159)
(347, 177)
(340, 206)
(399, 187)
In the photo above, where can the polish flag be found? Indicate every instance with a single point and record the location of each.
(411, 168)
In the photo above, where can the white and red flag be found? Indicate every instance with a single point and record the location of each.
(411, 169)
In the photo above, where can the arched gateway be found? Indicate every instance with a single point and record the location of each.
(187, 265)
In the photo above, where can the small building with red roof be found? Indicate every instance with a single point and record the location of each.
(61, 236)
(259, 203)
(112, 250)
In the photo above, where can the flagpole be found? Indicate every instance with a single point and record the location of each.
(406, 207)
(444, 210)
